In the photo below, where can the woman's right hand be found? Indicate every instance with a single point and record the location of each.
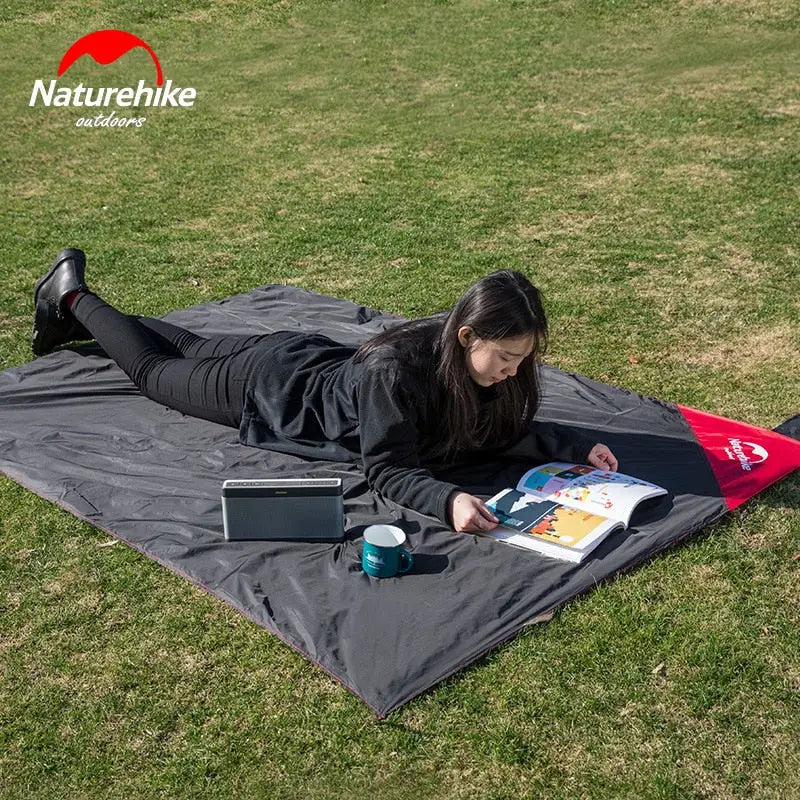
(470, 514)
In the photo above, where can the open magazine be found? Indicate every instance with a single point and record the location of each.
(566, 510)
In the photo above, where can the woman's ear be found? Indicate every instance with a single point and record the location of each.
(465, 335)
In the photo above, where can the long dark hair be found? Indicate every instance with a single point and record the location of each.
(500, 305)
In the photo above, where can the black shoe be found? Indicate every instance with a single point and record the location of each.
(65, 276)
(53, 324)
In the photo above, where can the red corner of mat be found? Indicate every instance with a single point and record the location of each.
(745, 459)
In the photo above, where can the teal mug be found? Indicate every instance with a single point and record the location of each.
(384, 555)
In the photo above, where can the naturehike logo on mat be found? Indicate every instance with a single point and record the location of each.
(737, 451)
(744, 458)
(105, 47)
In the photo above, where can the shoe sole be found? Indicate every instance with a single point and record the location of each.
(41, 320)
(64, 255)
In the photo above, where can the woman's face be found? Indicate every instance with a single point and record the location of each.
(490, 361)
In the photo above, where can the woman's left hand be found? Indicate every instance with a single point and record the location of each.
(602, 458)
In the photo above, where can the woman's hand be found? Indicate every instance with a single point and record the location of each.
(470, 514)
(602, 458)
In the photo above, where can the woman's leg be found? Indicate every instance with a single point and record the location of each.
(211, 387)
(191, 345)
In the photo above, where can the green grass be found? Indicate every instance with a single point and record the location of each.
(638, 160)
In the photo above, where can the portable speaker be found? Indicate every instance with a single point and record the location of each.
(308, 509)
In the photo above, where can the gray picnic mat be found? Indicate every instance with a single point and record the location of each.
(74, 430)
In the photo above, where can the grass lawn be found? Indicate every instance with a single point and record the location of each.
(638, 160)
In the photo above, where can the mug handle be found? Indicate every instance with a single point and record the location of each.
(406, 557)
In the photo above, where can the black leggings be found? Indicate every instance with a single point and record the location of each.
(201, 377)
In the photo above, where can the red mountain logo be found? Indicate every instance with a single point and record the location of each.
(105, 47)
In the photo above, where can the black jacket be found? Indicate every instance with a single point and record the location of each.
(306, 396)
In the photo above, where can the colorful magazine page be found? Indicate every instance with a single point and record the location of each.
(609, 494)
(548, 527)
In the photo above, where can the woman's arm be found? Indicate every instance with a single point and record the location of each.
(551, 441)
(388, 414)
